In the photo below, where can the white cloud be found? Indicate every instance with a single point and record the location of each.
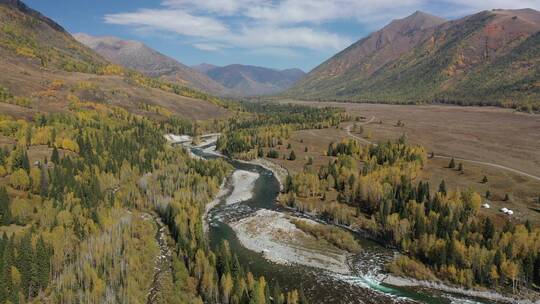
(476, 5)
(214, 34)
(302, 11)
(220, 7)
(296, 37)
(172, 20)
(209, 46)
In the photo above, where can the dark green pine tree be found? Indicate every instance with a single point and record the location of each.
(489, 230)
(288, 184)
(442, 187)
(25, 265)
(44, 182)
(28, 136)
(292, 156)
(5, 211)
(277, 294)
(55, 157)
(25, 161)
(43, 264)
(330, 151)
(452, 164)
(10, 290)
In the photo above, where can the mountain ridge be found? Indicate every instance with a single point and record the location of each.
(249, 80)
(138, 56)
(431, 61)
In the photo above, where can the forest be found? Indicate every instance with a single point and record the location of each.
(440, 233)
(77, 192)
(269, 124)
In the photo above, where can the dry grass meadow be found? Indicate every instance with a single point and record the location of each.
(492, 135)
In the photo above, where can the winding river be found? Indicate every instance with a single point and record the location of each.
(320, 286)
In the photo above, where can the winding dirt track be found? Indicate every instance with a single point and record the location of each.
(537, 178)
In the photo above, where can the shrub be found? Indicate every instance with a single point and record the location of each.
(20, 180)
(405, 266)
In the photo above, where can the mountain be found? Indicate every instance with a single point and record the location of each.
(204, 67)
(492, 57)
(246, 80)
(44, 69)
(136, 55)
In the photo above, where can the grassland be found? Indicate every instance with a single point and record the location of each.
(485, 134)
(481, 133)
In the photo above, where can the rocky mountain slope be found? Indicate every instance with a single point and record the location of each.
(44, 69)
(136, 55)
(246, 80)
(492, 57)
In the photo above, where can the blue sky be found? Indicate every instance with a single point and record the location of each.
(272, 33)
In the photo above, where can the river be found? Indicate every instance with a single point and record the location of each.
(320, 286)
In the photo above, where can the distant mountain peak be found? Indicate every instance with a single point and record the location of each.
(138, 56)
(417, 21)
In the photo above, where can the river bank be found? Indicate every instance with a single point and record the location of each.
(280, 241)
(279, 172)
(484, 294)
(223, 191)
(398, 281)
(243, 183)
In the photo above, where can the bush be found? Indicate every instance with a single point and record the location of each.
(336, 236)
(405, 266)
(292, 156)
(20, 180)
(272, 154)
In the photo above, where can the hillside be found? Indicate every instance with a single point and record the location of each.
(246, 80)
(487, 58)
(43, 68)
(204, 67)
(136, 55)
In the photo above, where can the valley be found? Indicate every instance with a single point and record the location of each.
(404, 169)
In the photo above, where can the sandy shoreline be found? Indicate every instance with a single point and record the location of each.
(243, 183)
(279, 172)
(273, 234)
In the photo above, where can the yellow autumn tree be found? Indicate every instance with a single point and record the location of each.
(20, 180)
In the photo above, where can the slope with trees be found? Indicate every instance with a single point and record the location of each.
(489, 58)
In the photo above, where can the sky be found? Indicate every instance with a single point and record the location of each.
(278, 34)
